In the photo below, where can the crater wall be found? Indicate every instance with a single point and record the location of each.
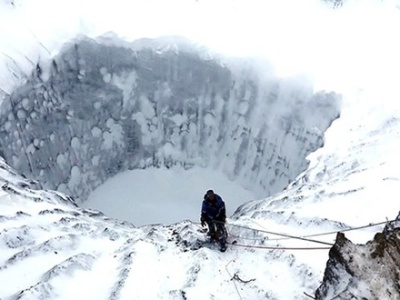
(102, 108)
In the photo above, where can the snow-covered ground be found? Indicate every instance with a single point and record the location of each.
(51, 249)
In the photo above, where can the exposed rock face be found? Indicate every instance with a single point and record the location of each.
(370, 271)
(102, 108)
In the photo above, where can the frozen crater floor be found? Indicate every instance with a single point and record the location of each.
(163, 196)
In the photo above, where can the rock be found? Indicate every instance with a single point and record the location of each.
(369, 271)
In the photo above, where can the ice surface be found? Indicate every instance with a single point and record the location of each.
(164, 196)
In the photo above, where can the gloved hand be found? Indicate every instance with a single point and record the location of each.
(202, 222)
(223, 219)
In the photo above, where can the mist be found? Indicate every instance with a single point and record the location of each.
(350, 49)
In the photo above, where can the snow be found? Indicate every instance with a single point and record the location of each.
(164, 196)
(113, 136)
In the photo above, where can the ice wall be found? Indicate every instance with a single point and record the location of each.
(107, 106)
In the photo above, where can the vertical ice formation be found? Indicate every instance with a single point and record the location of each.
(106, 107)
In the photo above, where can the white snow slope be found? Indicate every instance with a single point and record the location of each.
(52, 249)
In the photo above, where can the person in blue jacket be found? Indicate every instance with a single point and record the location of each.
(213, 214)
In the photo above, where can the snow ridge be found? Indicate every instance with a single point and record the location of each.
(55, 248)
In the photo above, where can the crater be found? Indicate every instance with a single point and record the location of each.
(104, 107)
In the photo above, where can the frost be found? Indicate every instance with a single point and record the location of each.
(30, 149)
(7, 126)
(96, 132)
(95, 160)
(127, 83)
(75, 177)
(114, 135)
(21, 114)
(61, 160)
(97, 105)
(75, 143)
(26, 104)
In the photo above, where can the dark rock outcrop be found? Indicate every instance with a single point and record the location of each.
(370, 271)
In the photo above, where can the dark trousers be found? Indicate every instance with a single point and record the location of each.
(217, 231)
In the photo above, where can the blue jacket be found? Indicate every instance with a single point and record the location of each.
(213, 210)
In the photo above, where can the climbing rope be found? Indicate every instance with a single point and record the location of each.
(328, 232)
(284, 235)
(279, 248)
(287, 236)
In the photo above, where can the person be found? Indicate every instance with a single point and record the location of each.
(213, 213)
